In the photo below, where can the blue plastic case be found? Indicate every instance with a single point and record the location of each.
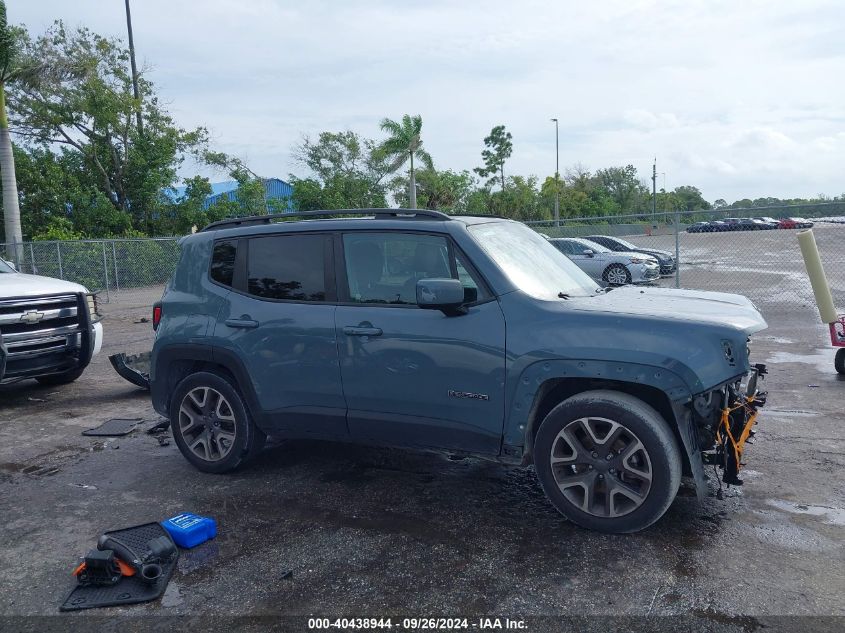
(189, 530)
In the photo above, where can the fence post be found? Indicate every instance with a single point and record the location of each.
(59, 257)
(114, 258)
(677, 248)
(106, 272)
(32, 260)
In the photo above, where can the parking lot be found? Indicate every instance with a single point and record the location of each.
(337, 530)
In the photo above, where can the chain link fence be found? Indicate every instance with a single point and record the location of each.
(130, 271)
(724, 251)
(762, 263)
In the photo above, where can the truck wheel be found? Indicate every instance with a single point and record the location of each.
(617, 275)
(839, 360)
(61, 379)
(211, 423)
(607, 461)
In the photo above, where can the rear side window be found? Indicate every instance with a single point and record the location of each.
(223, 262)
(288, 267)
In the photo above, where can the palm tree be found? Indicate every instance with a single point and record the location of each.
(11, 208)
(403, 144)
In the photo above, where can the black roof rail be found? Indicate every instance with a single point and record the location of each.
(253, 220)
(482, 215)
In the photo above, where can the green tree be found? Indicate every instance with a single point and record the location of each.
(447, 190)
(499, 147)
(91, 112)
(689, 199)
(624, 187)
(346, 172)
(57, 185)
(403, 144)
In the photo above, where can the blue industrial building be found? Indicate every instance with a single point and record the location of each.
(274, 189)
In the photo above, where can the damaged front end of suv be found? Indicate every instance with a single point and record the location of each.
(724, 420)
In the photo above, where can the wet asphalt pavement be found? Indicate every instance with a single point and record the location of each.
(338, 530)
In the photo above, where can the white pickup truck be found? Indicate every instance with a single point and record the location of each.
(49, 329)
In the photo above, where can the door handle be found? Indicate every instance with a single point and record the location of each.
(242, 323)
(354, 330)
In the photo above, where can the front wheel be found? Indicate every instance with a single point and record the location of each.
(211, 423)
(607, 461)
(839, 360)
(617, 275)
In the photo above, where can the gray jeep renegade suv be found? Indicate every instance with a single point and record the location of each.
(411, 328)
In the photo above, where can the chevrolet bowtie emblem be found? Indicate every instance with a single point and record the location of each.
(33, 316)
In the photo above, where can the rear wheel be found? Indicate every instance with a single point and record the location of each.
(607, 461)
(617, 275)
(839, 360)
(211, 423)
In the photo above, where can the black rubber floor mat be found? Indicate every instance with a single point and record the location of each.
(116, 427)
(131, 589)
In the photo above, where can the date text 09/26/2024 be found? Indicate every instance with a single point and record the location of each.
(417, 624)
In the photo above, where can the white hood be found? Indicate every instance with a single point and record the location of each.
(21, 285)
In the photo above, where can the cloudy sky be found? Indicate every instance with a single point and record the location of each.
(740, 98)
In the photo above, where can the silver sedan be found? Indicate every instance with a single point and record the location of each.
(602, 264)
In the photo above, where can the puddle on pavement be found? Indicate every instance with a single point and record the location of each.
(834, 516)
(777, 339)
(822, 359)
(789, 413)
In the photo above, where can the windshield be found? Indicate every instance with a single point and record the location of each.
(530, 262)
(594, 246)
(625, 244)
(5, 268)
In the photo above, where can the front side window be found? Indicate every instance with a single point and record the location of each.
(385, 267)
(290, 267)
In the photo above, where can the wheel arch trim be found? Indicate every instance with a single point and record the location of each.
(561, 379)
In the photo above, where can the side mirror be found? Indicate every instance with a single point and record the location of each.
(589, 252)
(446, 295)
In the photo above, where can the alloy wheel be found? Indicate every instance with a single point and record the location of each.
(601, 467)
(617, 275)
(207, 423)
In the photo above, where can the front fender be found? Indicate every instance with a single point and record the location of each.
(525, 399)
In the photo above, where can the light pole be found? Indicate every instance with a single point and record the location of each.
(557, 175)
(135, 91)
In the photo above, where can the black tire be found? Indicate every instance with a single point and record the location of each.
(248, 439)
(839, 360)
(61, 379)
(651, 442)
(616, 267)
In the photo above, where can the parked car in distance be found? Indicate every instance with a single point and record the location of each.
(49, 328)
(787, 223)
(700, 227)
(802, 223)
(770, 222)
(602, 264)
(718, 226)
(665, 259)
(412, 328)
(732, 224)
(752, 224)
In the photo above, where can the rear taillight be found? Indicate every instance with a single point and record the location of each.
(156, 316)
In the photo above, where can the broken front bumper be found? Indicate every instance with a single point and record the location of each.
(737, 418)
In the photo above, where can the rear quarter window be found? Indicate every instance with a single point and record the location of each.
(223, 262)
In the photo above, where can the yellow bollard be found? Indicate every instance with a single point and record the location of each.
(815, 270)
